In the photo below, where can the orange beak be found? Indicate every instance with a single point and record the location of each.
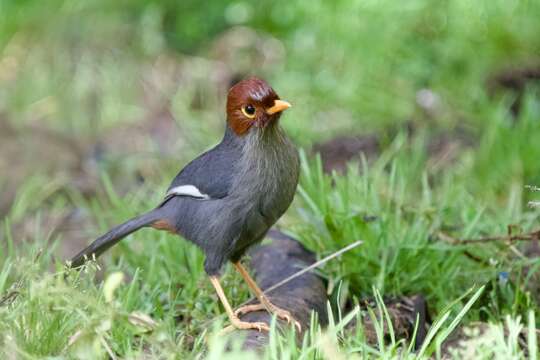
(279, 105)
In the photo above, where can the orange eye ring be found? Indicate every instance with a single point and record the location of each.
(249, 111)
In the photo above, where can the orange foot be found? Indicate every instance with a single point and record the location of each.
(272, 309)
(237, 324)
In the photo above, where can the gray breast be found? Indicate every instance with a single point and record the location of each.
(262, 188)
(268, 175)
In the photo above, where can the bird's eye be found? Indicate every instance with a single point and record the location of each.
(249, 111)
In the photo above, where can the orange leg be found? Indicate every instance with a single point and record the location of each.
(235, 321)
(264, 302)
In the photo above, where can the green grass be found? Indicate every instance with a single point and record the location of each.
(167, 281)
(92, 71)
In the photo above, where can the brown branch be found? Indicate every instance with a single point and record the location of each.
(9, 298)
(475, 258)
(531, 236)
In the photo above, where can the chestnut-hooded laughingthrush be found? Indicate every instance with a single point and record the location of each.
(226, 199)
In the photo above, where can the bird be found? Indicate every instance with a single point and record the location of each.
(225, 200)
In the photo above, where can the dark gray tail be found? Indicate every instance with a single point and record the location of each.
(104, 242)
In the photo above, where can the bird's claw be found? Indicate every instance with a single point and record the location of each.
(286, 316)
(290, 320)
(242, 310)
(272, 309)
(237, 324)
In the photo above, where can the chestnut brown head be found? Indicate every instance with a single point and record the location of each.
(252, 102)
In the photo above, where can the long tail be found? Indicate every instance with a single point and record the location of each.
(117, 233)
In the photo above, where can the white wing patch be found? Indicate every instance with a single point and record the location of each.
(187, 190)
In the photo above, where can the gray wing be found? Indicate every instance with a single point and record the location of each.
(209, 176)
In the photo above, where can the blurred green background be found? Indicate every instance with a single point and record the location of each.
(127, 85)
(102, 102)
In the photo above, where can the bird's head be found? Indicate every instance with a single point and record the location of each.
(253, 103)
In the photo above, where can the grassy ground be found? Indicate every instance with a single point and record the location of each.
(101, 103)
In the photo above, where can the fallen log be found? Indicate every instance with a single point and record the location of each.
(274, 262)
(285, 256)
